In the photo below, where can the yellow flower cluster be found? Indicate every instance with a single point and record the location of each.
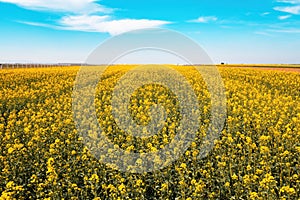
(43, 157)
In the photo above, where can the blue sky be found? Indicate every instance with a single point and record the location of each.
(247, 31)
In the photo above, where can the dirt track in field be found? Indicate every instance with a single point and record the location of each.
(274, 69)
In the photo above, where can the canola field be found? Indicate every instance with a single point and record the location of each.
(42, 156)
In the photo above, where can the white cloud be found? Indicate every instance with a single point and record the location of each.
(284, 17)
(85, 16)
(263, 33)
(39, 24)
(103, 24)
(205, 19)
(75, 6)
(265, 13)
(289, 1)
(96, 23)
(296, 31)
(289, 9)
(293, 8)
(88, 22)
